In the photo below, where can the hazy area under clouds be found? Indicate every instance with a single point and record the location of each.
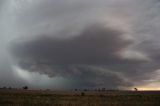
(79, 43)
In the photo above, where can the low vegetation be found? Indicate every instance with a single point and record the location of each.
(78, 98)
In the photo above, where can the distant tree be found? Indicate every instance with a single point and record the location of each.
(99, 89)
(135, 89)
(4, 87)
(85, 90)
(48, 90)
(10, 88)
(25, 87)
(75, 89)
(103, 89)
(82, 94)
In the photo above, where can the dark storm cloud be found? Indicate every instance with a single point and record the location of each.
(91, 58)
(95, 45)
(51, 41)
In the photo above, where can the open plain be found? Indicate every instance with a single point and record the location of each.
(79, 98)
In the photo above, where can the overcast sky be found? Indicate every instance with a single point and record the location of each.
(66, 44)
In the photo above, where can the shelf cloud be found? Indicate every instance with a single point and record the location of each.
(85, 43)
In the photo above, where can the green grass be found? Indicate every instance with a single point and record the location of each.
(41, 98)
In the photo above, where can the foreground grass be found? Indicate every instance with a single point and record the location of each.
(41, 98)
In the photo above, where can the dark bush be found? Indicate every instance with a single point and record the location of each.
(25, 87)
(82, 94)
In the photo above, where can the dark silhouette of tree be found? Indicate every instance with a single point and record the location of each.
(82, 94)
(75, 89)
(4, 87)
(135, 89)
(10, 88)
(103, 89)
(99, 89)
(85, 90)
(25, 87)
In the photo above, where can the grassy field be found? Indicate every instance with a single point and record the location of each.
(72, 98)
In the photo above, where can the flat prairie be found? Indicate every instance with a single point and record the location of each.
(78, 98)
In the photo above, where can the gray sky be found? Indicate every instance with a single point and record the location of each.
(80, 43)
